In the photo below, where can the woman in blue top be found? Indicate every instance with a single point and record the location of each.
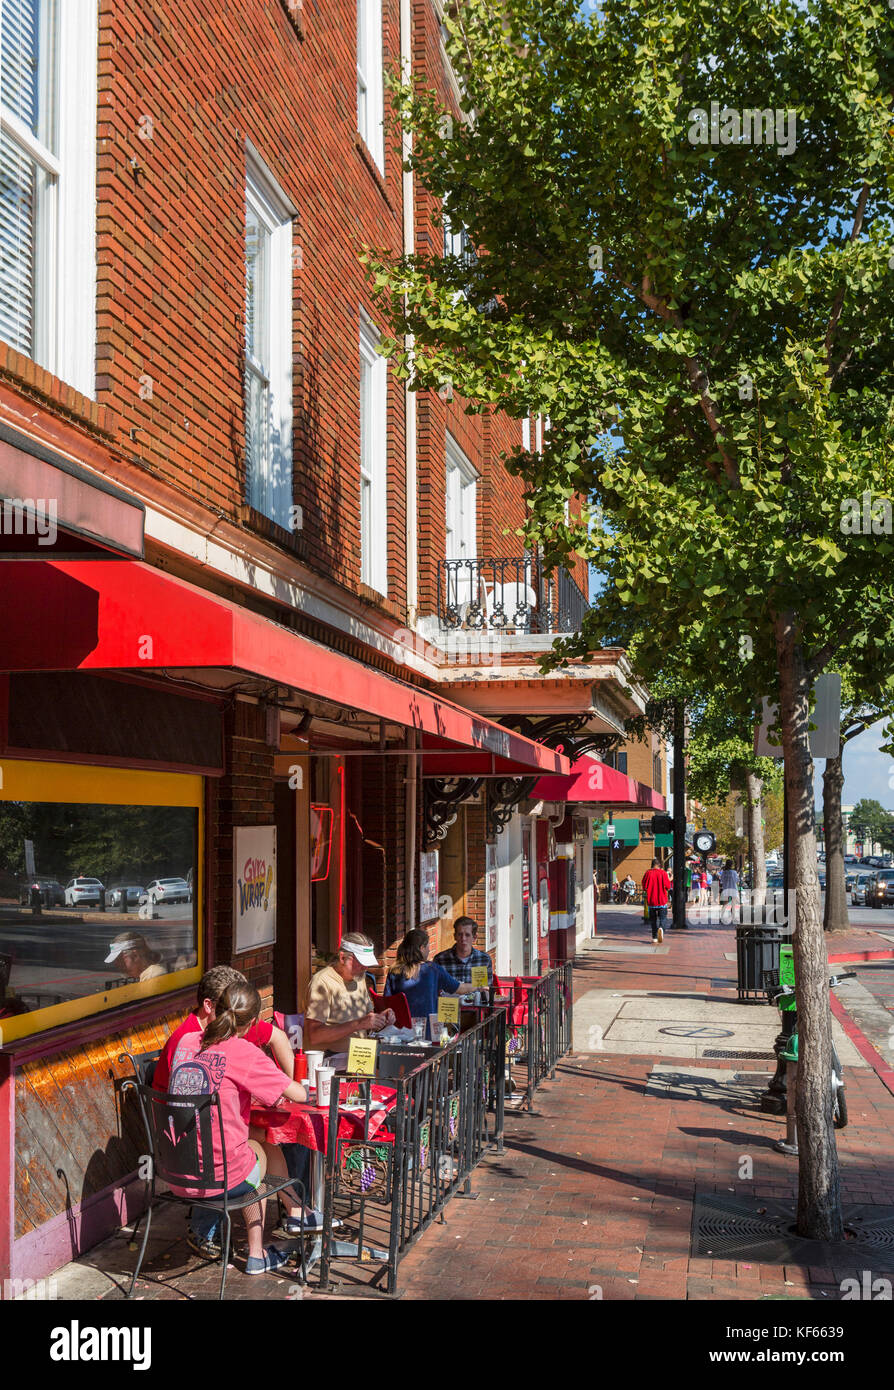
(420, 979)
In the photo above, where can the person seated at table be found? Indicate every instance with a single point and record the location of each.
(262, 1034)
(338, 1003)
(419, 978)
(210, 988)
(221, 1060)
(463, 954)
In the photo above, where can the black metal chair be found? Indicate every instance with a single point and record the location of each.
(143, 1064)
(179, 1134)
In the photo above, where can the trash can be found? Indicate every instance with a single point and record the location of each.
(757, 951)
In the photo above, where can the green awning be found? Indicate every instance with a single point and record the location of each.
(626, 830)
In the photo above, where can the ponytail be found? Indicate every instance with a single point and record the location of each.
(237, 1008)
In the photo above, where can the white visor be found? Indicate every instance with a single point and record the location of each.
(118, 948)
(364, 954)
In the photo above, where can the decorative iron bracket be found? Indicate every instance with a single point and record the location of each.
(503, 796)
(442, 799)
(567, 732)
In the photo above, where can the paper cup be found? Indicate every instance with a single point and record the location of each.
(314, 1060)
(324, 1077)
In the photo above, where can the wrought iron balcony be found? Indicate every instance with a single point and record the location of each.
(513, 594)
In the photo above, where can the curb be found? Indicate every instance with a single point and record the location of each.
(865, 1048)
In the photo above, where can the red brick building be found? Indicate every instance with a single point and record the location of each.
(235, 554)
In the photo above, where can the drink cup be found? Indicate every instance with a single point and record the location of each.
(314, 1060)
(434, 1028)
(419, 1027)
(324, 1077)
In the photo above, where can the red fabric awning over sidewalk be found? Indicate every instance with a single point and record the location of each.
(592, 781)
(109, 615)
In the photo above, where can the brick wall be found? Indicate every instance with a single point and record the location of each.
(244, 796)
(384, 876)
(171, 274)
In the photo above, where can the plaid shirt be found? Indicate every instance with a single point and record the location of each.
(462, 969)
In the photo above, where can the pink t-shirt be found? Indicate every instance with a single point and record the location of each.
(238, 1071)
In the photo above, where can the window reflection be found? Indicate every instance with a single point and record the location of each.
(92, 898)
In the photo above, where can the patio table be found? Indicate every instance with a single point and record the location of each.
(307, 1124)
(302, 1122)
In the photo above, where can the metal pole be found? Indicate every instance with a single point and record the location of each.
(785, 843)
(678, 916)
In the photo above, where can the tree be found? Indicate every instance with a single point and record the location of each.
(721, 819)
(872, 822)
(698, 300)
(722, 760)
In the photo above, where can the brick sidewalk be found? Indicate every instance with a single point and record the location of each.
(593, 1197)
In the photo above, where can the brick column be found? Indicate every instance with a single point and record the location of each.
(244, 797)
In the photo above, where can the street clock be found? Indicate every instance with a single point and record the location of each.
(704, 841)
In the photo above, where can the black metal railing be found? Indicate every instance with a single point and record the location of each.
(389, 1188)
(550, 1014)
(513, 593)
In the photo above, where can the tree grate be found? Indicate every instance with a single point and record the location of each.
(763, 1231)
(739, 1056)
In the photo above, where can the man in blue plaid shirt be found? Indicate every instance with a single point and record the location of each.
(458, 961)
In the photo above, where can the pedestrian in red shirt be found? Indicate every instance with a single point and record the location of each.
(656, 887)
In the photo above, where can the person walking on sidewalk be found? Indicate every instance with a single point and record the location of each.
(656, 887)
(729, 888)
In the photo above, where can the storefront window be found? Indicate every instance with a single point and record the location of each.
(98, 899)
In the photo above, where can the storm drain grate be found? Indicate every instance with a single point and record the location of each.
(728, 1228)
(739, 1056)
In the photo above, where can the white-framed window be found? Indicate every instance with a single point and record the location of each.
(373, 460)
(370, 79)
(462, 489)
(526, 433)
(48, 70)
(268, 343)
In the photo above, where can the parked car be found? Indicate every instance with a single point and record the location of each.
(881, 888)
(84, 892)
(124, 895)
(52, 894)
(859, 888)
(166, 890)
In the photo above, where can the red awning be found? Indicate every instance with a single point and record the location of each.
(110, 615)
(592, 781)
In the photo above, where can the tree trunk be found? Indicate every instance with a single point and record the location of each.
(755, 830)
(835, 913)
(819, 1186)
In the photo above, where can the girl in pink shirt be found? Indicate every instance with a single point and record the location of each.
(221, 1060)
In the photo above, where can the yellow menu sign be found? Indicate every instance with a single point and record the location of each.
(448, 1008)
(479, 977)
(362, 1057)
